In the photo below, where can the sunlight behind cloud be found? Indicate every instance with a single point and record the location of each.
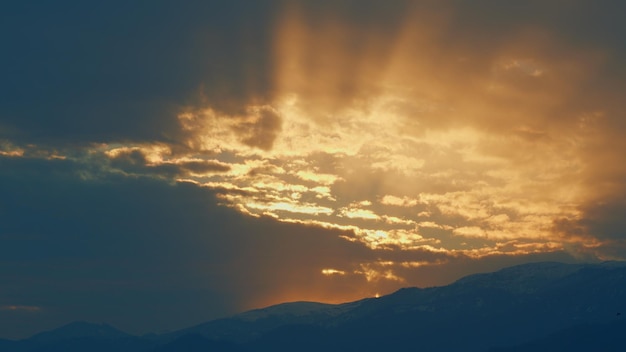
(386, 140)
(408, 141)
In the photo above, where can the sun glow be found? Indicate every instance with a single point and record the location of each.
(403, 151)
(330, 272)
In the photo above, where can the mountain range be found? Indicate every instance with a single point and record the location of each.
(531, 307)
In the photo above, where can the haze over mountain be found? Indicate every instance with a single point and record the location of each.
(522, 308)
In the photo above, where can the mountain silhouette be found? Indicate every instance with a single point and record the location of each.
(80, 329)
(539, 306)
(82, 336)
(607, 337)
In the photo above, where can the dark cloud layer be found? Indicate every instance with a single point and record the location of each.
(81, 72)
(85, 72)
(145, 254)
(134, 162)
(260, 129)
(149, 255)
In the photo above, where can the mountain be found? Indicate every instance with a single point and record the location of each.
(505, 308)
(196, 342)
(255, 323)
(82, 336)
(79, 329)
(7, 345)
(607, 337)
(521, 308)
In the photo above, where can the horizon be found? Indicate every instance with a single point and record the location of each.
(237, 314)
(168, 164)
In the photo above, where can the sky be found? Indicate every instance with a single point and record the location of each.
(165, 163)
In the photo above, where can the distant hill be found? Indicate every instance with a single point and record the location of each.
(82, 336)
(531, 307)
(255, 323)
(79, 329)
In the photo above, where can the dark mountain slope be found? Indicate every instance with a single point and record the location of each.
(531, 306)
(79, 329)
(82, 336)
(608, 337)
(198, 343)
(505, 308)
(255, 323)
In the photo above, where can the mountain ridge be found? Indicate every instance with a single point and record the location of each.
(79, 329)
(509, 307)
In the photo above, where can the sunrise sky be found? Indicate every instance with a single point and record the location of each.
(164, 163)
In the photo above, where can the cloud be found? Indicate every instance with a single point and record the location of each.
(20, 308)
(488, 88)
(204, 166)
(111, 247)
(106, 241)
(260, 128)
(119, 71)
(446, 101)
(158, 160)
(598, 231)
